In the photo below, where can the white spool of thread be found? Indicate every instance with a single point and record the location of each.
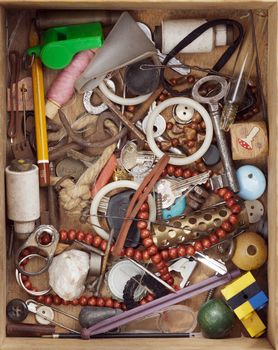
(23, 200)
(171, 32)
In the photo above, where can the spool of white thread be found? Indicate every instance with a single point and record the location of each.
(171, 32)
(23, 200)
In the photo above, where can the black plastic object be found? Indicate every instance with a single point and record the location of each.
(116, 211)
(91, 315)
(212, 156)
(139, 81)
(16, 310)
(145, 280)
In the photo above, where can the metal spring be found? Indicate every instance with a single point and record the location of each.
(210, 294)
(158, 201)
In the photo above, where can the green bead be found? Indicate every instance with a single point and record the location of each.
(215, 319)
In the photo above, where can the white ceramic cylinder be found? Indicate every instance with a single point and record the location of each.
(23, 200)
(173, 31)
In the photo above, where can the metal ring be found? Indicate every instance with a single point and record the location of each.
(18, 276)
(208, 100)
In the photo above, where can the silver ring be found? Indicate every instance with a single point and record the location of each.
(18, 276)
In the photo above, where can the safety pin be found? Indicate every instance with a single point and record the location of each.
(33, 305)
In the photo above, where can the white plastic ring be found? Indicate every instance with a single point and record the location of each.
(190, 103)
(121, 100)
(44, 311)
(103, 192)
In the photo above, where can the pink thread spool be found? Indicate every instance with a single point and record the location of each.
(62, 88)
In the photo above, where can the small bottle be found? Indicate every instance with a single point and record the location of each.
(171, 32)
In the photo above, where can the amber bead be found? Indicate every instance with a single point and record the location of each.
(142, 224)
(236, 209)
(231, 202)
(213, 238)
(45, 239)
(156, 259)
(109, 302)
(144, 215)
(143, 301)
(198, 246)
(173, 253)
(24, 278)
(144, 207)
(190, 79)
(28, 284)
(220, 233)
(152, 250)
(57, 300)
(149, 297)
(83, 301)
(131, 108)
(169, 126)
(170, 170)
(178, 172)
(138, 255)
(165, 254)
(63, 235)
(48, 299)
(100, 302)
(129, 252)
(148, 242)
(97, 241)
(166, 277)
(92, 301)
(228, 195)
(233, 219)
(66, 302)
(181, 251)
(103, 245)
(89, 238)
(145, 233)
(222, 191)
(187, 173)
(226, 226)
(40, 299)
(116, 305)
(190, 144)
(163, 271)
(146, 255)
(72, 235)
(170, 281)
(80, 235)
(206, 243)
(190, 250)
(161, 264)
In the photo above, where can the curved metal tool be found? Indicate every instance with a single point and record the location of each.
(34, 241)
(213, 103)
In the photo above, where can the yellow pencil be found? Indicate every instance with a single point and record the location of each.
(39, 111)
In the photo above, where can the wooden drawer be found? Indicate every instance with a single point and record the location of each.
(270, 77)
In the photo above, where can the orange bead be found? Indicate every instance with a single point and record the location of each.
(222, 191)
(178, 172)
(57, 300)
(170, 170)
(109, 302)
(48, 299)
(92, 301)
(145, 233)
(152, 250)
(144, 215)
(220, 233)
(144, 207)
(164, 254)
(100, 302)
(72, 235)
(233, 219)
(173, 253)
(103, 245)
(198, 246)
(181, 251)
(63, 235)
(138, 255)
(80, 235)
(142, 224)
(228, 195)
(148, 242)
(213, 238)
(190, 250)
(97, 241)
(88, 238)
(226, 226)
(83, 301)
(206, 243)
(146, 255)
(236, 209)
(160, 265)
(129, 252)
(187, 173)
(156, 259)
(149, 297)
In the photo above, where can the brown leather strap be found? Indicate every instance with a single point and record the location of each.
(138, 199)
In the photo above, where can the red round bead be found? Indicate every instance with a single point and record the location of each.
(228, 195)
(48, 299)
(220, 233)
(173, 253)
(97, 241)
(57, 300)
(89, 238)
(226, 226)
(142, 224)
(145, 233)
(236, 209)
(190, 250)
(187, 173)
(198, 246)
(148, 242)
(28, 284)
(109, 302)
(92, 301)
(40, 299)
(144, 215)
(75, 302)
(144, 207)
(156, 259)
(178, 172)
(63, 235)
(80, 235)
(103, 245)
(181, 251)
(164, 254)
(146, 255)
(213, 238)
(143, 301)
(233, 219)
(163, 271)
(152, 250)
(166, 277)
(149, 297)
(72, 235)
(170, 169)
(25, 252)
(66, 302)
(230, 202)
(160, 265)
(129, 252)
(117, 305)
(222, 191)
(170, 281)
(100, 302)
(206, 243)
(83, 301)
(138, 255)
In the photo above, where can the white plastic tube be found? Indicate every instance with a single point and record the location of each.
(23, 198)
(121, 100)
(190, 103)
(103, 192)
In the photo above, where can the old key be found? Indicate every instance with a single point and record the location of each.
(212, 101)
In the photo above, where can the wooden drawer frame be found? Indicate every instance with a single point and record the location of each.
(271, 342)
